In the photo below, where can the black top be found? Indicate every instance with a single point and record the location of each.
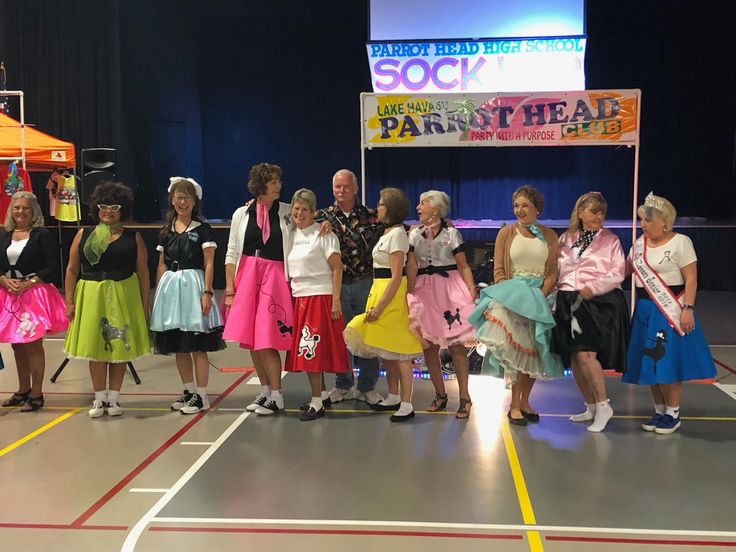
(39, 256)
(273, 249)
(186, 248)
(120, 255)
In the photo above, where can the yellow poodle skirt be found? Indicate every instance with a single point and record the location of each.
(388, 337)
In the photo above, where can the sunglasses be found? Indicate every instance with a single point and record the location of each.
(114, 208)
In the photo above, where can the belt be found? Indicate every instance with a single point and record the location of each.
(385, 272)
(176, 265)
(259, 254)
(98, 276)
(641, 292)
(441, 270)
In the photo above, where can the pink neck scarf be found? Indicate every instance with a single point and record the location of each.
(428, 230)
(262, 220)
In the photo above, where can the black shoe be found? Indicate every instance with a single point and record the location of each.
(311, 414)
(516, 421)
(17, 399)
(400, 418)
(385, 407)
(532, 417)
(326, 403)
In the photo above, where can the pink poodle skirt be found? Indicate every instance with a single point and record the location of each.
(318, 345)
(261, 316)
(27, 317)
(439, 309)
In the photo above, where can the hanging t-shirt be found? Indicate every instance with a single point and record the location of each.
(52, 185)
(12, 179)
(66, 199)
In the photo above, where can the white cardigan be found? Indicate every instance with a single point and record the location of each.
(237, 234)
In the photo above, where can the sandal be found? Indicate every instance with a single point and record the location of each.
(463, 411)
(17, 399)
(438, 403)
(33, 404)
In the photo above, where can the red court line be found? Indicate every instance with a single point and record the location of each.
(155, 454)
(56, 526)
(362, 532)
(642, 541)
(724, 366)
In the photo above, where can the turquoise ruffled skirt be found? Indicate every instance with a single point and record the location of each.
(514, 321)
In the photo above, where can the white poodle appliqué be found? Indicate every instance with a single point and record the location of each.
(308, 343)
(26, 327)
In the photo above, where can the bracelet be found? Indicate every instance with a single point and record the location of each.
(208, 292)
(688, 307)
(230, 294)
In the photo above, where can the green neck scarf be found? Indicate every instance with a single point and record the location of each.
(98, 241)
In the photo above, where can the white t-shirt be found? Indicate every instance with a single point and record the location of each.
(667, 259)
(528, 255)
(393, 240)
(308, 267)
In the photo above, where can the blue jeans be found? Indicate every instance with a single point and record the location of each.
(352, 299)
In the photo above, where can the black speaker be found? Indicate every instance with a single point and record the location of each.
(480, 259)
(98, 165)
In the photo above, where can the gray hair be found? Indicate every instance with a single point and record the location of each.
(37, 214)
(305, 196)
(437, 199)
(348, 172)
(663, 209)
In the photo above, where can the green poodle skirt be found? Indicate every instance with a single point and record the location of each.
(109, 324)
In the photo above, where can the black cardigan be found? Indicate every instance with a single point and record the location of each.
(39, 256)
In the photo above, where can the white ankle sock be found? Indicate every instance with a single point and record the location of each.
(189, 387)
(390, 400)
(101, 396)
(202, 392)
(113, 396)
(603, 413)
(324, 395)
(673, 411)
(659, 408)
(316, 403)
(278, 397)
(586, 416)
(405, 409)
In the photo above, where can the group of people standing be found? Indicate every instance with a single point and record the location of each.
(350, 285)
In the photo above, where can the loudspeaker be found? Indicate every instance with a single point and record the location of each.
(98, 165)
(480, 258)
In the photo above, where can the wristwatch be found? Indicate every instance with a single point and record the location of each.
(688, 307)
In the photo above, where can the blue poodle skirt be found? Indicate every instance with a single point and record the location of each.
(657, 354)
(514, 321)
(177, 322)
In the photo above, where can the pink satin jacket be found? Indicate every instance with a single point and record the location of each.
(601, 268)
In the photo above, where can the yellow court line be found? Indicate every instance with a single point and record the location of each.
(39, 431)
(525, 503)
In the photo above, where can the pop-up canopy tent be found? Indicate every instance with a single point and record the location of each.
(42, 152)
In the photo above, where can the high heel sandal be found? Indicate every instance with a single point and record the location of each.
(17, 399)
(438, 403)
(33, 404)
(463, 411)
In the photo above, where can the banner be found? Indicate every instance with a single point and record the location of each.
(472, 66)
(588, 117)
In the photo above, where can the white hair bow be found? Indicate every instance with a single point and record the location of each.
(197, 188)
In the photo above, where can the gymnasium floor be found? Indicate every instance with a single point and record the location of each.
(229, 480)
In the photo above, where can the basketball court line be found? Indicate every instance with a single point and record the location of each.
(38, 431)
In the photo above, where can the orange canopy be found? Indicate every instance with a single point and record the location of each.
(43, 152)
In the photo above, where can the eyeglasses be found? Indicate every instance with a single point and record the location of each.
(114, 208)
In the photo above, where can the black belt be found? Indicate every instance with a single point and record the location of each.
(261, 255)
(641, 292)
(176, 265)
(441, 270)
(385, 272)
(116, 275)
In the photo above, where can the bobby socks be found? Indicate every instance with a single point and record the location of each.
(673, 411)
(278, 397)
(202, 392)
(189, 387)
(603, 413)
(101, 396)
(405, 409)
(113, 396)
(586, 416)
(316, 403)
(391, 400)
(265, 391)
(323, 397)
(659, 409)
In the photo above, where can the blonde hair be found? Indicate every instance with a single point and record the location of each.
(305, 196)
(437, 199)
(657, 206)
(37, 214)
(593, 200)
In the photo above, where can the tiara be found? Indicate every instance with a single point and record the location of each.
(654, 201)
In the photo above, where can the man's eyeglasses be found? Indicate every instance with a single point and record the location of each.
(114, 208)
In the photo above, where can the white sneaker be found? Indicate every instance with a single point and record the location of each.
(370, 397)
(260, 400)
(97, 410)
(337, 395)
(181, 401)
(114, 409)
(195, 404)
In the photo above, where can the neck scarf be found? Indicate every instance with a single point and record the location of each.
(535, 230)
(262, 220)
(585, 237)
(98, 241)
(428, 229)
